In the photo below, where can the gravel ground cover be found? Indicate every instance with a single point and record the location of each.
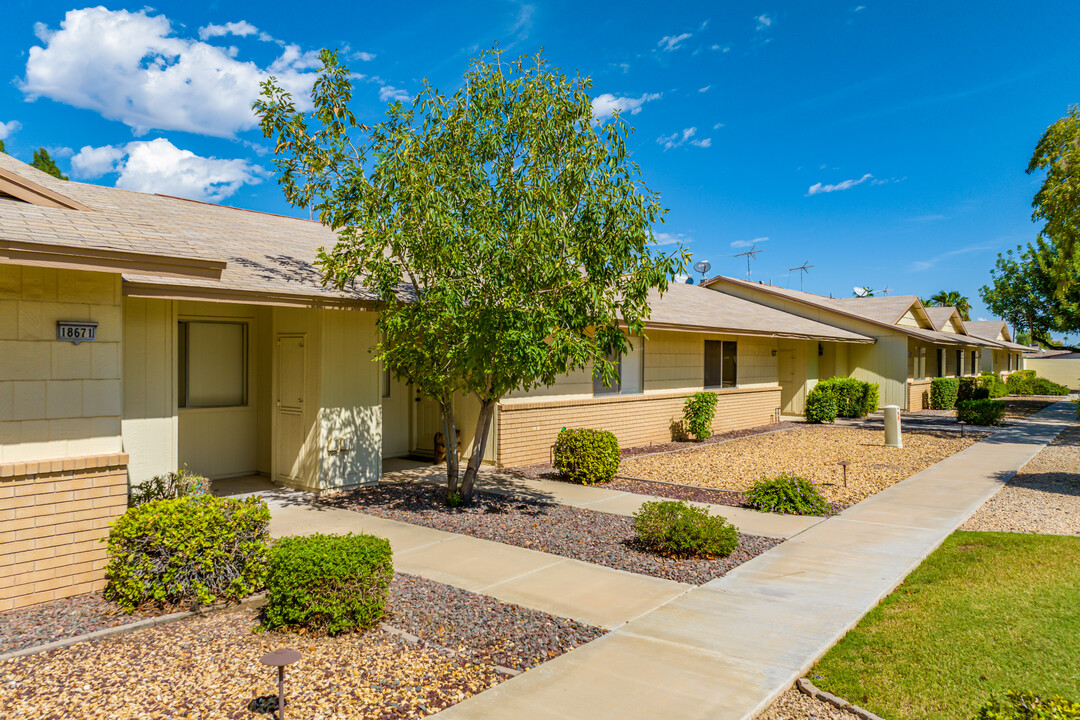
(1044, 497)
(585, 535)
(63, 618)
(207, 666)
(811, 451)
(797, 705)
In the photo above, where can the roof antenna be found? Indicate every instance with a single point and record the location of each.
(886, 290)
(752, 253)
(803, 269)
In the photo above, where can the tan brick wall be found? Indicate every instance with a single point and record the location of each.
(918, 395)
(53, 515)
(526, 431)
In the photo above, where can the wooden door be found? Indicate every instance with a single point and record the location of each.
(289, 384)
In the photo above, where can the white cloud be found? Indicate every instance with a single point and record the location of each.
(704, 89)
(817, 188)
(362, 56)
(132, 68)
(921, 265)
(663, 238)
(604, 105)
(859, 8)
(764, 22)
(668, 43)
(389, 93)
(158, 166)
(242, 28)
(721, 48)
(670, 142)
(717, 126)
(748, 243)
(9, 128)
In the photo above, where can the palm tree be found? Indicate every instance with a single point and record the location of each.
(946, 298)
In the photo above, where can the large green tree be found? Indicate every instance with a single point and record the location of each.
(1057, 203)
(1025, 293)
(44, 162)
(506, 234)
(951, 298)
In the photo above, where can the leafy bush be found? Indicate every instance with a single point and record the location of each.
(981, 393)
(820, 405)
(587, 456)
(966, 390)
(1019, 382)
(677, 528)
(993, 384)
(1042, 386)
(943, 393)
(787, 494)
(328, 584)
(196, 548)
(1029, 706)
(980, 412)
(182, 483)
(698, 412)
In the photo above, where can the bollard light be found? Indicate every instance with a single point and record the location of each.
(280, 658)
(844, 464)
(961, 423)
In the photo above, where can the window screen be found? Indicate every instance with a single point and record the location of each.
(721, 363)
(212, 364)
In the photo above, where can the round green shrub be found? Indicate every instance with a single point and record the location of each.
(1019, 382)
(1029, 706)
(674, 527)
(993, 385)
(190, 549)
(943, 393)
(328, 584)
(981, 412)
(698, 412)
(587, 456)
(1043, 386)
(820, 405)
(787, 494)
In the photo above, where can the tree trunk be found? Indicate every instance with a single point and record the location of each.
(483, 424)
(450, 433)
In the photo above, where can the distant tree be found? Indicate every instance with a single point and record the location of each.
(1025, 294)
(1023, 337)
(44, 162)
(521, 226)
(2, 148)
(951, 298)
(1057, 203)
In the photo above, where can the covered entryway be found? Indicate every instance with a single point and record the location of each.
(396, 417)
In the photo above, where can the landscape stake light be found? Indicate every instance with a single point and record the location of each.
(279, 659)
(844, 464)
(961, 423)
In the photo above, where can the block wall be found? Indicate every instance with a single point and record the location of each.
(918, 395)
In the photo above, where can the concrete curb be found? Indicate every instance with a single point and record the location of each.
(808, 688)
(130, 627)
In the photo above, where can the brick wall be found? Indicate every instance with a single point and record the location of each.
(918, 394)
(526, 431)
(53, 515)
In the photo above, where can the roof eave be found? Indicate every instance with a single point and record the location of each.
(77, 257)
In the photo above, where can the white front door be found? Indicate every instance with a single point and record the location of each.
(289, 408)
(396, 401)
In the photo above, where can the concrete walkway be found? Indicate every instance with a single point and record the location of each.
(590, 593)
(728, 648)
(615, 502)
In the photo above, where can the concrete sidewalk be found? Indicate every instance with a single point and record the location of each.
(728, 648)
(590, 593)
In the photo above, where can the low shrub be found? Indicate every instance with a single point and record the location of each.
(787, 494)
(1019, 382)
(943, 393)
(674, 527)
(853, 399)
(1042, 386)
(182, 483)
(820, 406)
(189, 549)
(1029, 706)
(587, 456)
(981, 393)
(328, 584)
(980, 412)
(698, 412)
(966, 389)
(993, 384)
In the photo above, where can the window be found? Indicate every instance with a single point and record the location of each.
(941, 362)
(959, 363)
(386, 382)
(974, 362)
(212, 364)
(629, 372)
(721, 363)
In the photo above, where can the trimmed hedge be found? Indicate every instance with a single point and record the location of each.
(980, 412)
(587, 456)
(787, 494)
(328, 584)
(1025, 382)
(189, 549)
(182, 483)
(966, 390)
(943, 393)
(993, 385)
(852, 399)
(674, 527)
(698, 412)
(1029, 706)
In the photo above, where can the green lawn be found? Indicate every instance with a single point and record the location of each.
(986, 613)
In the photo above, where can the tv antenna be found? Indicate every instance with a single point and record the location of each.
(752, 253)
(803, 269)
(702, 266)
(886, 290)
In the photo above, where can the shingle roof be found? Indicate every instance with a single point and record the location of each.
(939, 316)
(990, 330)
(693, 307)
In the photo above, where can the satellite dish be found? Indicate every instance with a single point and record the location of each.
(702, 266)
(689, 280)
(859, 291)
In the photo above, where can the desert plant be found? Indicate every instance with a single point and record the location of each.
(820, 405)
(172, 485)
(328, 584)
(188, 549)
(587, 456)
(980, 412)
(787, 494)
(674, 527)
(943, 393)
(698, 412)
(1029, 706)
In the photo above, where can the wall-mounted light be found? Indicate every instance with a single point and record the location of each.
(774, 353)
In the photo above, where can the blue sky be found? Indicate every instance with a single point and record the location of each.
(883, 142)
